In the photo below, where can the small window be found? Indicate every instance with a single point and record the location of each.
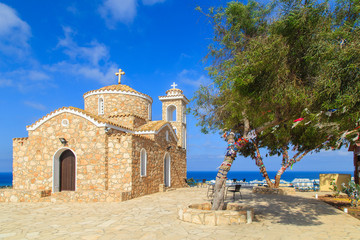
(184, 137)
(167, 135)
(175, 130)
(184, 114)
(65, 122)
(149, 110)
(143, 160)
(101, 106)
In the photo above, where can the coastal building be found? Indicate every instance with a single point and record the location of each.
(111, 150)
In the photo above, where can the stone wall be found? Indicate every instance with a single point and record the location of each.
(119, 161)
(117, 104)
(11, 195)
(33, 157)
(160, 138)
(177, 158)
(233, 214)
(128, 120)
(143, 185)
(326, 179)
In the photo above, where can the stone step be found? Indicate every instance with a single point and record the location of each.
(89, 196)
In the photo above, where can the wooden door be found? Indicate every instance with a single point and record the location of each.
(67, 171)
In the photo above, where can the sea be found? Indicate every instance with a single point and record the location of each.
(6, 177)
(288, 176)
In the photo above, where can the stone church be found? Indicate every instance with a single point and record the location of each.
(111, 150)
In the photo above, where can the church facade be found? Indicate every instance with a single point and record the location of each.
(109, 151)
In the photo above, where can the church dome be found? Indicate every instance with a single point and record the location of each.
(116, 87)
(174, 92)
(116, 100)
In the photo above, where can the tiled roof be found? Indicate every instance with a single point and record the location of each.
(93, 116)
(20, 139)
(117, 87)
(143, 137)
(151, 126)
(174, 91)
(126, 115)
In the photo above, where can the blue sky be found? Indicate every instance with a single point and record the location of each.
(52, 52)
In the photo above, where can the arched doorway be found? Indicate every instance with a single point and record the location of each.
(167, 176)
(59, 155)
(67, 171)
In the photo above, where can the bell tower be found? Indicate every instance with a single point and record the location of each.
(174, 111)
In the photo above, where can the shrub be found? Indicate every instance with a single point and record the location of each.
(334, 188)
(352, 190)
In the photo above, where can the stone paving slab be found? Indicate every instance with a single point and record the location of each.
(155, 217)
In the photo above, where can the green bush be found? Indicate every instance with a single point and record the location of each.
(191, 182)
(334, 188)
(352, 190)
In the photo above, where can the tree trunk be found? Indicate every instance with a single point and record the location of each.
(289, 162)
(259, 162)
(219, 189)
(277, 181)
(285, 160)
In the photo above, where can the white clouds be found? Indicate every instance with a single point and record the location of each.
(72, 9)
(193, 78)
(35, 75)
(124, 11)
(37, 106)
(152, 2)
(104, 74)
(5, 83)
(118, 11)
(93, 53)
(14, 33)
(26, 79)
(90, 61)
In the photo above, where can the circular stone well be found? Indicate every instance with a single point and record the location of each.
(233, 214)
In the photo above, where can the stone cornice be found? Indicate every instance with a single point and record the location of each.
(179, 97)
(96, 92)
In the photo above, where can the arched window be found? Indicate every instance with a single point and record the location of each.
(143, 160)
(184, 137)
(101, 106)
(167, 135)
(184, 114)
(171, 113)
(167, 170)
(149, 110)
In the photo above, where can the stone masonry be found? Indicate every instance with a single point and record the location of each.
(106, 146)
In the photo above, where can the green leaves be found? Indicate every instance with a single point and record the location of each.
(271, 62)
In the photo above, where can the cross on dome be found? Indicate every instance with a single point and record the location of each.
(174, 85)
(121, 72)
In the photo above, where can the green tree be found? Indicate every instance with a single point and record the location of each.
(285, 75)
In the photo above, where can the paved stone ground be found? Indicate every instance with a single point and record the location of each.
(155, 217)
